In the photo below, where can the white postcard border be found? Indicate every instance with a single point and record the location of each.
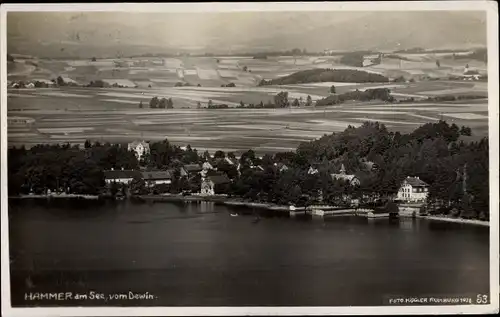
(491, 7)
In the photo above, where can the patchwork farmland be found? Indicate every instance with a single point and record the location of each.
(74, 114)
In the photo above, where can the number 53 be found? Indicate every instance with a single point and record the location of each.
(482, 299)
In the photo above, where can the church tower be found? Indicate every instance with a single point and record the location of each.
(342, 170)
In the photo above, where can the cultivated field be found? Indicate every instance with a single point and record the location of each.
(74, 114)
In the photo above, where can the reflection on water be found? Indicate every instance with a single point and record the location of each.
(198, 254)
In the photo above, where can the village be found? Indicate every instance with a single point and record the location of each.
(208, 182)
(339, 174)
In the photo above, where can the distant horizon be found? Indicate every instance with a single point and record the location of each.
(54, 34)
(249, 53)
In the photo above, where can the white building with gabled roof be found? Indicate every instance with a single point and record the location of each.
(139, 147)
(413, 189)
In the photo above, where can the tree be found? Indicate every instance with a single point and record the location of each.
(219, 154)
(281, 99)
(228, 169)
(170, 103)
(206, 155)
(98, 84)
(60, 81)
(163, 103)
(295, 103)
(198, 105)
(153, 103)
(231, 155)
(93, 59)
(308, 101)
(248, 157)
(245, 68)
(465, 131)
(87, 144)
(399, 79)
(242, 105)
(114, 188)
(438, 63)
(140, 105)
(332, 89)
(210, 103)
(138, 186)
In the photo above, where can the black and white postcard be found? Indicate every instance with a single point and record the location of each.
(249, 158)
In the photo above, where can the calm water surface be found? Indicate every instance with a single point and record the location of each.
(196, 254)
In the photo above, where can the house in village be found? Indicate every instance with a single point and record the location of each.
(312, 171)
(413, 189)
(470, 74)
(139, 147)
(120, 176)
(207, 166)
(153, 178)
(190, 170)
(281, 167)
(351, 178)
(20, 121)
(215, 183)
(43, 82)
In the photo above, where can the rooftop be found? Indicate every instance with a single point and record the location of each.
(117, 174)
(156, 175)
(343, 177)
(136, 143)
(192, 167)
(219, 179)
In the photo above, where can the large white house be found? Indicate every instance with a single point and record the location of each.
(413, 189)
(139, 147)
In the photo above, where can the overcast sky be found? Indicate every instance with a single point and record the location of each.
(249, 30)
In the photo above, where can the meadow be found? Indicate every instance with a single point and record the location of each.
(74, 114)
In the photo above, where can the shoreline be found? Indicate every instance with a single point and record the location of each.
(235, 202)
(224, 200)
(77, 196)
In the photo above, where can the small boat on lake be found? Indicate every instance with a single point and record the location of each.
(234, 215)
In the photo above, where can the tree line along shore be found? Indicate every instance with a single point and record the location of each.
(380, 159)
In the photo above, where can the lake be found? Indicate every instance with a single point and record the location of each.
(197, 254)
